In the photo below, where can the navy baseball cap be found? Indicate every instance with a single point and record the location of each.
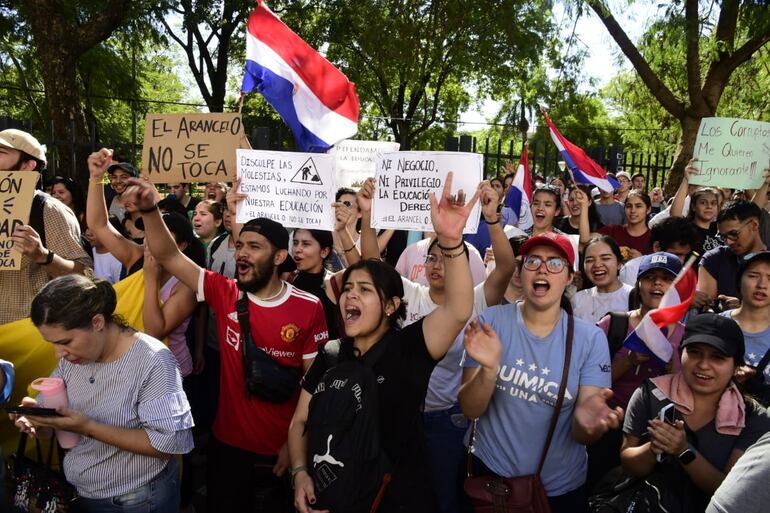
(661, 260)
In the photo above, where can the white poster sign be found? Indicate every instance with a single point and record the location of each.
(404, 179)
(294, 189)
(356, 160)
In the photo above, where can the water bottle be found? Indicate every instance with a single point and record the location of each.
(53, 393)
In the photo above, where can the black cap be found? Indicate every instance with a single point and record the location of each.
(124, 166)
(718, 331)
(276, 234)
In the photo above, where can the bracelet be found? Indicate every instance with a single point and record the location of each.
(147, 210)
(295, 471)
(96, 180)
(493, 222)
(450, 255)
(350, 249)
(462, 242)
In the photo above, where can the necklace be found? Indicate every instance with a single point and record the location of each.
(280, 291)
(95, 369)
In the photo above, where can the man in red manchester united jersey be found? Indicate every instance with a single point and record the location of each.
(248, 450)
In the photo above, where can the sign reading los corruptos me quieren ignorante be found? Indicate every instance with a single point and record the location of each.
(732, 153)
(294, 189)
(182, 148)
(356, 160)
(404, 179)
(16, 191)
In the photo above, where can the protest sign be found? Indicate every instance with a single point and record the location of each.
(182, 148)
(294, 189)
(16, 191)
(355, 160)
(404, 179)
(732, 153)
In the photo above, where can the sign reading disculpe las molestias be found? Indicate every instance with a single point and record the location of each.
(732, 153)
(294, 189)
(192, 147)
(404, 179)
(16, 191)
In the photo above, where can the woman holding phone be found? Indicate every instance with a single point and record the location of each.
(125, 400)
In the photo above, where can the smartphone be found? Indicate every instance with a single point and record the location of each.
(30, 410)
(669, 415)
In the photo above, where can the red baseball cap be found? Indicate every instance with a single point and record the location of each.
(555, 240)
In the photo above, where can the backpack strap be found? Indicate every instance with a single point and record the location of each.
(337, 312)
(562, 390)
(248, 355)
(617, 331)
(763, 363)
(214, 246)
(36, 219)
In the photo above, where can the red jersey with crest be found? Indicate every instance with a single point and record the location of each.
(288, 328)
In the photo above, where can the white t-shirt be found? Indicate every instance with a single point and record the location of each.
(411, 263)
(107, 267)
(591, 305)
(630, 270)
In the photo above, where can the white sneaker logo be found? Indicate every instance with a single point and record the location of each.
(327, 458)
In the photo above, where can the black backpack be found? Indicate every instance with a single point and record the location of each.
(617, 331)
(345, 458)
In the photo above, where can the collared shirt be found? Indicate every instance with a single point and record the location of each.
(62, 234)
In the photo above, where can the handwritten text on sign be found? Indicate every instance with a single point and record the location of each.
(16, 191)
(294, 189)
(732, 153)
(356, 160)
(181, 148)
(404, 179)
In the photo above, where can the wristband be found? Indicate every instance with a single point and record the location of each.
(147, 210)
(452, 248)
(492, 222)
(349, 249)
(295, 471)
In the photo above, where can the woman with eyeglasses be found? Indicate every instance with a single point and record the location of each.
(513, 367)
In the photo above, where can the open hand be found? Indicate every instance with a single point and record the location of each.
(450, 213)
(483, 345)
(595, 416)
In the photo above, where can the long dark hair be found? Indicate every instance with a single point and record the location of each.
(72, 301)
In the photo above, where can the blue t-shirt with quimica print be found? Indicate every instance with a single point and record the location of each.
(511, 434)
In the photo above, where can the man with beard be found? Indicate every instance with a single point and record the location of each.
(49, 244)
(247, 453)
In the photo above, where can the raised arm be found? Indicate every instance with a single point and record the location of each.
(369, 246)
(342, 215)
(157, 236)
(126, 251)
(449, 215)
(233, 197)
(497, 281)
(677, 205)
(161, 320)
(760, 197)
(585, 224)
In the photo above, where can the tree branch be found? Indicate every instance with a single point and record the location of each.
(720, 70)
(693, 56)
(101, 26)
(658, 89)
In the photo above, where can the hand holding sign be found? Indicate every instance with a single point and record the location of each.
(235, 196)
(450, 213)
(365, 195)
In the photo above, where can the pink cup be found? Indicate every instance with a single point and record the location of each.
(53, 393)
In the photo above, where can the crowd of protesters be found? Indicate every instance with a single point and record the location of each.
(353, 370)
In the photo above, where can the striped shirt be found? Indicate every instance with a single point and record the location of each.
(140, 390)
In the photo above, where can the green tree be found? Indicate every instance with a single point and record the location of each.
(718, 38)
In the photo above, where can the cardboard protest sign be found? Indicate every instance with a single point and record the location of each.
(16, 191)
(356, 160)
(404, 179)
(732, 153)
(183, 148)
(294, 189)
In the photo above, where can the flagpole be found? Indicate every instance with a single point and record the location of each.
(690, 261)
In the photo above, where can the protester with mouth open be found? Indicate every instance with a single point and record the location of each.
(372, 303)
(248, 447)
(515, 360)
(601, 263)
(546, 205)
(208, 221)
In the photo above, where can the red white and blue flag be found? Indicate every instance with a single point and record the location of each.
(582, 167)
(314, 98)
(648, 337)
(519, 196)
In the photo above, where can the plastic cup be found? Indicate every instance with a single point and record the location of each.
(53, 393)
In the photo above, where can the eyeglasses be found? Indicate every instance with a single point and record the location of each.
(733, 234)
(432, 259)
(553, 265)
